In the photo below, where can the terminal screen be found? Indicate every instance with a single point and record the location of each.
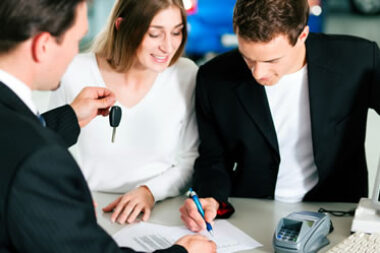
(310, 223)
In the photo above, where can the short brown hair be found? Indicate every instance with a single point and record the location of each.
(263, 20)
(23, 19)
(119, 46)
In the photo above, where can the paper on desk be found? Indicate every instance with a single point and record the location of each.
(146, 236)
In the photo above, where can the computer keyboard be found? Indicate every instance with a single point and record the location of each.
(358, 242)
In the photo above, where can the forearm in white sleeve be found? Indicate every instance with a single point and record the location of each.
(174, 180)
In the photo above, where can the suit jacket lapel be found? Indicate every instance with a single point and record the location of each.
(9, 99)
(322, 80)
(253, 99)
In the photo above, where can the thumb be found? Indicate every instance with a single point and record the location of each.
(112, 205)
(209, 208)
(105, 102)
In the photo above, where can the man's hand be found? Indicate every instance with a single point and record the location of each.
(193, 219)
(90, 102)
(127, 207)
(196, 244)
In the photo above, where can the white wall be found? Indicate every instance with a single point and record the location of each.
(372, 145)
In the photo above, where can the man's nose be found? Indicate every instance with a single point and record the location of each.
(259, 70)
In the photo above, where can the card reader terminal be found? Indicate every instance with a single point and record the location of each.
(302, 232)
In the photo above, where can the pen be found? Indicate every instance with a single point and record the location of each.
(195, 198)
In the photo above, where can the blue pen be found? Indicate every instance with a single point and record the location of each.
(195, 198)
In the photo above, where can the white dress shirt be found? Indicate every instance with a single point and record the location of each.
(20, 89)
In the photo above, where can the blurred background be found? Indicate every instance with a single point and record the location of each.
(210, 22)
(210, 33)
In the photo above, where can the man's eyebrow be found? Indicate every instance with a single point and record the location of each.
(275, 59)
(249, 59)
(161, 27)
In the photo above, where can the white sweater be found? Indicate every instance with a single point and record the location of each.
(156, 141)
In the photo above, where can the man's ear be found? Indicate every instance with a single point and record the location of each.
(304, 34)
(41, 44)
(118, 22)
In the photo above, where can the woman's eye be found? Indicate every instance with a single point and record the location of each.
(153, 35)
(177, 33)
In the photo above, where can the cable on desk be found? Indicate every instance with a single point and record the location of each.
(337, 213)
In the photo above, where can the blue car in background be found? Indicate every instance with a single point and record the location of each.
(210, 25)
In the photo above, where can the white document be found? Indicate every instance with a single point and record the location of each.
(148, 237)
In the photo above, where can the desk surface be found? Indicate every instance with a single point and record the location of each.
(256, 217)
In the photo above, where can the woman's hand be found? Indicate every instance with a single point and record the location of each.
(128, 207)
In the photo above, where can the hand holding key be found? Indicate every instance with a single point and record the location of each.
(90, 102)
(114, 117)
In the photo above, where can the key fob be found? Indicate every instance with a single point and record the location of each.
(115, 116)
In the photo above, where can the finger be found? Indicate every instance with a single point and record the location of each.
(182, 210)
(118, 210)
(104, 92)
(105, 102)
(128, 209)
(191, 224)
(213, 246)
(111, 206)
(146, 214)
(192, 212)
(96, 92)
(187, 215)
(133, 215)
(104, 112)
(201, 237)
(197, 237)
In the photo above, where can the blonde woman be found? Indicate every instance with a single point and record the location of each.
(138, 57)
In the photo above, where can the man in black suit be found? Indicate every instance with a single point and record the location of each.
(45, 204)
(284, 116)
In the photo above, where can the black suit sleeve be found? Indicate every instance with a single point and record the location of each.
(375, 89)
(50, 208)
(210, 176)
(64, 122)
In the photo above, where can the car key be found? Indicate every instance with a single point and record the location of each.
(114, 117)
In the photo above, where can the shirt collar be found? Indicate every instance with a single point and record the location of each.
(20, 89)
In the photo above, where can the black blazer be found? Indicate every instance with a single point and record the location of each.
(236, 126)
(45, 204)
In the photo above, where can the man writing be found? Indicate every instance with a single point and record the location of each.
(45, 204)
(284, 116)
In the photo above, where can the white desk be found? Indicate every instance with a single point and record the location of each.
(256, 217)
